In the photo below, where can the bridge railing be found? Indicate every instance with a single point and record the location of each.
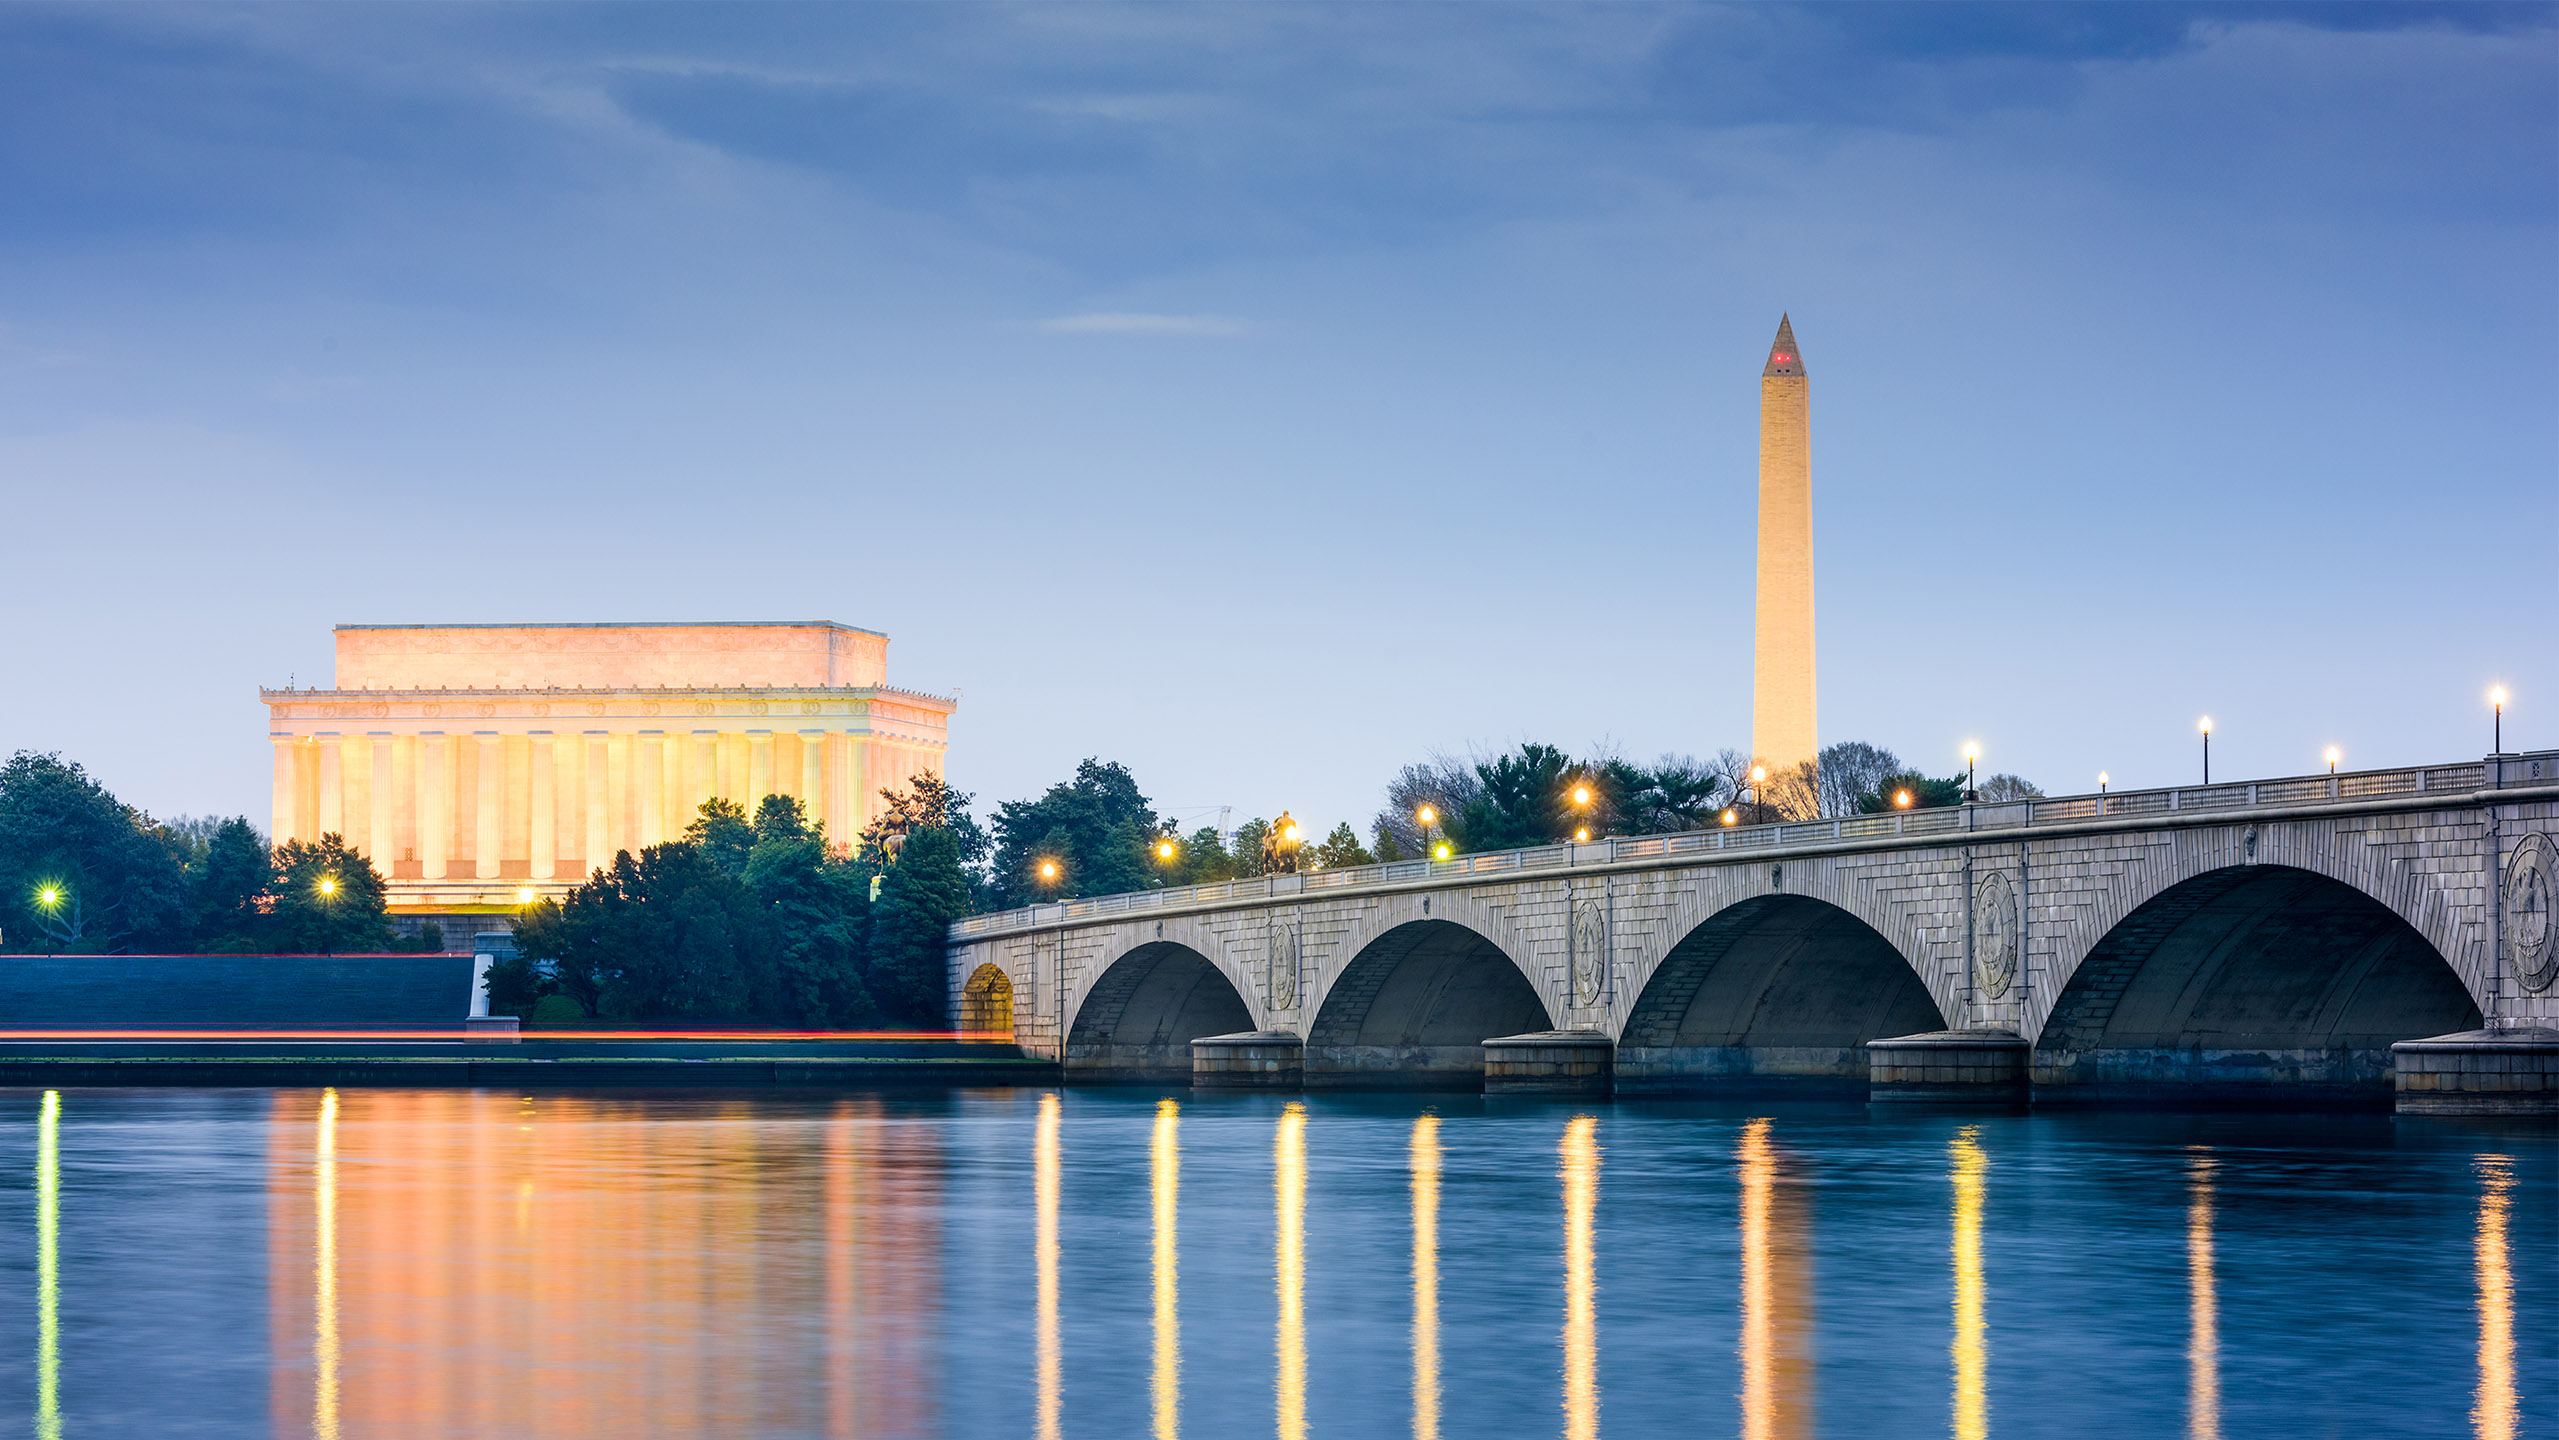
(2346, 788)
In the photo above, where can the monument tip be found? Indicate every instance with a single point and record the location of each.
(1783, 357)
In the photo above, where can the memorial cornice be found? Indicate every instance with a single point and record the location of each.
(571, 702)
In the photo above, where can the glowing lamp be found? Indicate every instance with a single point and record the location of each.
(1758, 773)
(49, 895)
(2332, 757)
(1427, 815)
(1295, 835)
(2497, 695)
(524, 896)
(1731, 817)
(1901, 799)
(1048, 869)
(328, 884)
(1164, 850)
(1972, 750)
(2204, 725)
(1440, 852)
(1581, 794)
(1582, 836)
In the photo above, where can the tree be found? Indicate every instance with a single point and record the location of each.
(1252, 839)
(118, 880)
(1444, 783)
(1204, 858)
(327, 899)
(1924, 793)
(1097, 827)
(2004, 786)
(1675, 793)
(921, 895)
(928, 799)
(230, 889)
(721, 831)
(1520, 801)
(821, 905)
(1851, 772)
(1341, 849)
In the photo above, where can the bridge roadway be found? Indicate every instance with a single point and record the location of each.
(2268, 938)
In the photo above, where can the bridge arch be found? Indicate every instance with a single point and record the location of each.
(2227, 968)
(1775, 986)
(986, 1001)
(1137, 1017)
(1417, 999)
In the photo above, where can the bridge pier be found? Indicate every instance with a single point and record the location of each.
(2479, 1072)
(1550, 1062)
(1249, 1060)
(1949, 1067)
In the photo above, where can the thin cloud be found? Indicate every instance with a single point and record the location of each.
(1113, 322)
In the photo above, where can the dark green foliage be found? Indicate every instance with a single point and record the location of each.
(1252, 839)
(920, 896)
(1340, 849)
(121, 880)
(328, 899)
(1522, 801)
(230, 887)
(1388, 852)
(1924, 793)
(927, 800)
(1097, 826)
(740, 921)
(1203, 858)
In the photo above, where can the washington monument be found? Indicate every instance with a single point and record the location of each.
(1782, 732)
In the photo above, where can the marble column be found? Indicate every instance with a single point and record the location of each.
(435, 805)
(492, 794)
(671, 759)
(652, 765)
(382, 841)
(287, 824)
(813, 775)
(759, 769)
(543, 844)
(332, 788)
(705, 784)
(598, 768)
(621, 814)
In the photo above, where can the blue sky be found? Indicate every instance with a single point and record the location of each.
(1267, 396)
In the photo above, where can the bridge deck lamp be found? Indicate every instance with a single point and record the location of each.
(1972, 755)
(1731, 817)
(1582, 836)
(2332, 757)
(50, 898)
(1901, 799)
(329, 908)
(2205, 725)
(2497, 708)
(2101, 782)
(1441, 853)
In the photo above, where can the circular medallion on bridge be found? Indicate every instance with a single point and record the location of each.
(1590, 950)
(1994, 935)
(2532, 892)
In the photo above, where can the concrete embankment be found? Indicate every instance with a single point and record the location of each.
(531, 1061)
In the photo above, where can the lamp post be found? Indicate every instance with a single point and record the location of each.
(329, 914)
(2332, 757)
(1044, 876)
(1972, 757)
(1581, 798)
(1758, 800)
(2497, 709)
(2205, 725)
(2101, 782)
(1423, 819)
(1901, 799)
(49, 899)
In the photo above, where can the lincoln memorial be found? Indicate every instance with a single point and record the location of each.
(477, 764)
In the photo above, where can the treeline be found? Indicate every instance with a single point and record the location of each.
(1097, 833)
(83, 873)
(758, 920)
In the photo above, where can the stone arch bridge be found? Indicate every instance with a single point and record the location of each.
(2278, 933)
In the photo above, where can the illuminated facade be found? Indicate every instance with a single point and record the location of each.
(472, 763)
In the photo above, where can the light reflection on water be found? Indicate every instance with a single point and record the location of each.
(1971, 1350)
(440, 1263)
(2203, 1321)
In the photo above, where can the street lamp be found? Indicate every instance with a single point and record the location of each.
(1423, 819)
(50, 900)
(1732, 817)
(329, 909)
(1901, 799)
(2101, 782)
(2333, 756)
(2497, 704)
(2205, 725)
(524, 896)
(1758, 800)
(1972, 755)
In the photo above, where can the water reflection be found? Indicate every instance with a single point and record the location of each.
(2493, 1411)
(1288, 1196)
(2203, 1334)
(1971, 1350)
(324, 1271)
(1425, 1164)
(622, 1261)
(1776, 1332)
(1044, 1186)
(1166, 1168)
(49, 1268)
(1580, 1171)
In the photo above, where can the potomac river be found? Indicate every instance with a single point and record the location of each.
(1128, 1262)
